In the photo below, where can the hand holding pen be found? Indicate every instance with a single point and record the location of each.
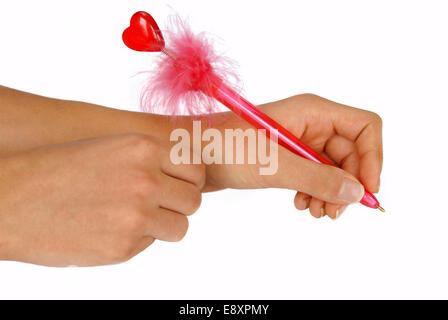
(192, 75)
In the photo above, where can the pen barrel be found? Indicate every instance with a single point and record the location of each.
(260, 120)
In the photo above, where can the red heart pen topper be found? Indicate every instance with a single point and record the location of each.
(143, 33)
(191, 77)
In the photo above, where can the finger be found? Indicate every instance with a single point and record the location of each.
(365, 129)
(370, 151)
(362, 127)
(302, 200)
(344, 153)
(144, 243)
(166, 225)
(179, 196)
(321, 181)
(191, 173)
(330, 209)
(334, 211)
(317, 208)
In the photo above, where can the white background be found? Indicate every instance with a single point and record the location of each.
(386, 56)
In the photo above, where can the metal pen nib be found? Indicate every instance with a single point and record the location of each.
(381, 209)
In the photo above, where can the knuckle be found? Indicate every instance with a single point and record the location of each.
(333, 182)
(129, 223)
(195, 199)
(180, 228)
(308, 97)
(141, 146)
(377, 118)
(305, 99)
(200, 175)
(374, 117)
(134, 138)
(133, 223)
(143, 187)
(120, 251)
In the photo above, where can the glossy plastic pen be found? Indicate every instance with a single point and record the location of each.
(260, 120)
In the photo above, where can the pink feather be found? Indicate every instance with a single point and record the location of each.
(182, 82)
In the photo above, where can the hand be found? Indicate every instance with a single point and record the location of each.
(349, 137)
(93, 202)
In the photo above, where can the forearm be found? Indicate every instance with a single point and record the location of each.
(29, 121)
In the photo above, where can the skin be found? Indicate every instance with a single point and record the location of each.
(65, 207)
(53, 213)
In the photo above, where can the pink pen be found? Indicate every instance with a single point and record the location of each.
(191, 70)
(260, 120)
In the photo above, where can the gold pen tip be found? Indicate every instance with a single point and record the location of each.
(381, 209)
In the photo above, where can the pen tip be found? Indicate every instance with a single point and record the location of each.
(381, 209)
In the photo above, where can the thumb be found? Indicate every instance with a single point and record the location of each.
(327, 183)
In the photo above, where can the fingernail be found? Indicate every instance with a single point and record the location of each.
(322, 212)
(351, 191)
(301, 204)
(340, 211)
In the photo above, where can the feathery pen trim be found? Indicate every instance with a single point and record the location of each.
(191, 77)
